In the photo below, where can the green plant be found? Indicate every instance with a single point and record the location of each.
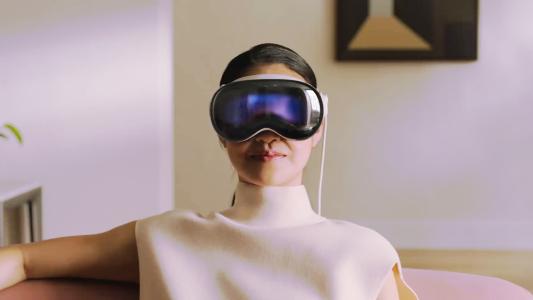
(14, 130)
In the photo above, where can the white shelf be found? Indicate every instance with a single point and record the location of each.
(20, 212)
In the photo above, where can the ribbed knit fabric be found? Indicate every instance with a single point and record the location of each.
(269, 245)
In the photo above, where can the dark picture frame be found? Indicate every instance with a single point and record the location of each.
(406, 29)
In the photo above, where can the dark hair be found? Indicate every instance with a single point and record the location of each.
(267, 53)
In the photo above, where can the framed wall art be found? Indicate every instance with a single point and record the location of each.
(406, 29)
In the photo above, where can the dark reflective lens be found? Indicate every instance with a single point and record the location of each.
(291, 108)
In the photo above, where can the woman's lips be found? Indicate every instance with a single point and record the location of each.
(266, 156)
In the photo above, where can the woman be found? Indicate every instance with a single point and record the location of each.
(269, 244)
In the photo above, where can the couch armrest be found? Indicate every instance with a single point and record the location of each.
(68, 289)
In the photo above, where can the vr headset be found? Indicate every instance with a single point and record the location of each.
(283, 104)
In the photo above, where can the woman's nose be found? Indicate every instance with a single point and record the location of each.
(267, 137)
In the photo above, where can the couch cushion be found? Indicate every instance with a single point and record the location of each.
(446, 285)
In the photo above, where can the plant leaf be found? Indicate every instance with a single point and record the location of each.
(3, 135)
(15, 131)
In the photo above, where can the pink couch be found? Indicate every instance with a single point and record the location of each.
(445, 285)
(428, 284)
(70, 289)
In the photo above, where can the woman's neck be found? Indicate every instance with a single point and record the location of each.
(271, 205)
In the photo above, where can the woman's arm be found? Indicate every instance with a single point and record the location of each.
(109, 255)
(389, 291)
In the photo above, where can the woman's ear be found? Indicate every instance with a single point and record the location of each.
(315, 139)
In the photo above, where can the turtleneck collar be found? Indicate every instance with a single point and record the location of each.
(271, 206)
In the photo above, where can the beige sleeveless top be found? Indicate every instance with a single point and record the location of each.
(269, 245)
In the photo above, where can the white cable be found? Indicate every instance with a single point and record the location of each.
(319, 206)
(325, 103)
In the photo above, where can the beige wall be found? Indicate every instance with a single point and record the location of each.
(89, 84)
(430, 154)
